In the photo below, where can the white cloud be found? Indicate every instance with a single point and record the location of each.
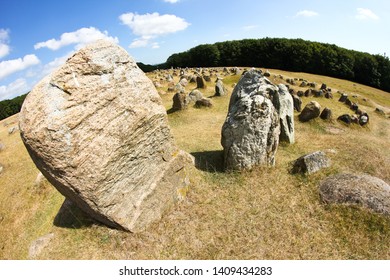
(149, 26)
(8, 67)
(306, 13)
(4, 48)
(17, 87)
(171, 1)
(249, 27)
(365, 14)
(139, 43)
(80, 37)
(155, 45)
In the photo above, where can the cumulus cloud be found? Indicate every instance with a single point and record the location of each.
(365, 14)
(4, 48)
(150, 26)
(80, 37)
(306, 13)
(13, 89)
(9, 67)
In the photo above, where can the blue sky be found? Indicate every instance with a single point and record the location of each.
(36, 36)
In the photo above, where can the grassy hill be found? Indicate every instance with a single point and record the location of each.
(266, 213)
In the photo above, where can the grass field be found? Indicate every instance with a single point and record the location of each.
(265, 213)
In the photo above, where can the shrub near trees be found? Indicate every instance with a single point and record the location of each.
(290, 54)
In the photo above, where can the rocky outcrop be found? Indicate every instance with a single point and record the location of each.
(97, 130)
(250, 134)
(363, 190)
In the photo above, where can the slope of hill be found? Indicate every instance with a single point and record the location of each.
(266, 213)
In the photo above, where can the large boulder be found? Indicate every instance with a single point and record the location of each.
(311, 111)
(97, 130)
(250, 134)
(363, 190)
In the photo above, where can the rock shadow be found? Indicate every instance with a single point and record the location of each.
(209, 161)
(71, 216)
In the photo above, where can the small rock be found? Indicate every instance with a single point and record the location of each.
(345, 119)
(38, 245)
(194, 96)
(311, 111)
(343, 97)
(297, 103)
(379, 111)
(363, 190)
(12, 130)
(364, 119)
(204, 102)
(180, 101)
(326, 114)
(311, 163)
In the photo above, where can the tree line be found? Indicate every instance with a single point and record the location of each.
(10, 107)
(296, 55)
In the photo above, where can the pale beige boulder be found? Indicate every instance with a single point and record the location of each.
(97, 130)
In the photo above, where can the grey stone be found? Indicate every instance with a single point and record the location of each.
(326, 114)
(194, 96)
(204, 102)
(362, 190)
(250, 134)
(220, 89)
(310, 163)
(297, 103)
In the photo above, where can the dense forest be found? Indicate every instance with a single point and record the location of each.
(290, 54)
(10, 107)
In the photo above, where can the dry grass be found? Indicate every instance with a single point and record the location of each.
(266, 213)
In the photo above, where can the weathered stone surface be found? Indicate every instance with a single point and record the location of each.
(326, 114)
(363, 190)
(311, 111)
(97, 130)
(180, 101)
(310, 163)
(297, 103)
(204, 102)
(194, 96)
(346, 118)
(284, 104)
(220, 89)
(38, 245)
(250, 134)
(343, 97)
(200, 82)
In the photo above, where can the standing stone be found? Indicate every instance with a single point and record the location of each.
(200, 82)
(297, 103)
(220, 89)
(180, 101)
(97, 130)
(283, 102)
(346, 118)
(204, 102)
(250, 134)
(311, 111)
